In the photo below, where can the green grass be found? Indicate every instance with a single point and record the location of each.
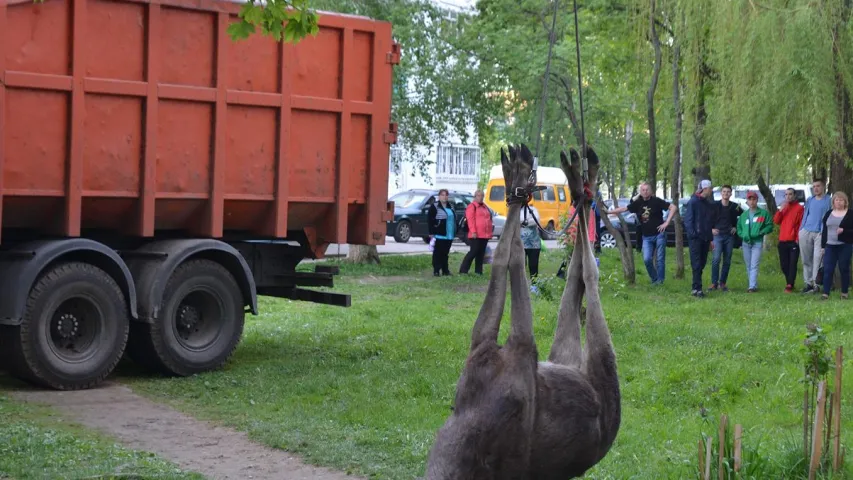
(36, 444)
(364, 389)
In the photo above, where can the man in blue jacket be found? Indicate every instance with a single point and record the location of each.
(699, 219)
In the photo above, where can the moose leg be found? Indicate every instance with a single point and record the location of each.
(599, 363)
(566, 349)
(521, 310)
(488, 323)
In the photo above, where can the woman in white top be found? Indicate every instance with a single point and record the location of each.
(530, 238)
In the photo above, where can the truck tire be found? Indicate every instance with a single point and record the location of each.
(199, 325)
(403, 232)
(74, 329)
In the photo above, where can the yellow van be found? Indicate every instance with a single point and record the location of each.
(552, 203)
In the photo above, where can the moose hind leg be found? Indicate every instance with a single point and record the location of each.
(566, 349)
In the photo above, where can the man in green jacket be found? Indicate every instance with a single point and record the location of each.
(752, 226)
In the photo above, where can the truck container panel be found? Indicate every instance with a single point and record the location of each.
(144, 118)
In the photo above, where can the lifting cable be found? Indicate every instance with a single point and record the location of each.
(584, 163)
(552, 40)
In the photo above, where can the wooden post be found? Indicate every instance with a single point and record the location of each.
(836, 415)
(817, 436)
(827, 436)
(708, 444)
(738, 439)
(721, 472)
(806, 417)
(702, 458)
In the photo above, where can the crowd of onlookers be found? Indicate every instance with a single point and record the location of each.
(820, 232)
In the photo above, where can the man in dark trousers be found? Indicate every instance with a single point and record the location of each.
(789, 217)
(699, 219)
(725, 232)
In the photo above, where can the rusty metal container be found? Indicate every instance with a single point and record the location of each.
(144, 118)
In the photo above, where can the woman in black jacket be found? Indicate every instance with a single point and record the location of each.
(442, 226)
(837, 243)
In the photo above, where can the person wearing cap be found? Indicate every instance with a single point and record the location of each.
(789, 217)
(649, 210)
(724, 231)
(752, 226)
(699, 219)
(810, 233)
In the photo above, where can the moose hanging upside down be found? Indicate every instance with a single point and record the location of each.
(516, 417)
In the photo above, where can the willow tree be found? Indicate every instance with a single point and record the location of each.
(784, 86)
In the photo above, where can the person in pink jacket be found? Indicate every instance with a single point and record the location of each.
(480, 228)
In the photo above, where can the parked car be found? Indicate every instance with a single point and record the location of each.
(411, 209)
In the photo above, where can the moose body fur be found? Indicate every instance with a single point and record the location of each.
(516, 417)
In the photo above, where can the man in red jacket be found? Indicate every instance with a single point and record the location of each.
(789, 217)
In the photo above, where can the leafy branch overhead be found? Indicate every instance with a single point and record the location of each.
(288, 20)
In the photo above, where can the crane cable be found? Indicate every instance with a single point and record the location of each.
(551, 41)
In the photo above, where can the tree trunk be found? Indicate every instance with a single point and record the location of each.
(363, 254)
(629, 136)
(840, 173)
(675, 191)
(626, 251)
(650, 100)
(762, 184)
(702, 170)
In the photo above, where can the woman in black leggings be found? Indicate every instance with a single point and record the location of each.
(442, 226)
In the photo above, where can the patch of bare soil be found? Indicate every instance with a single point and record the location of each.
(138, 423)
(381, 280)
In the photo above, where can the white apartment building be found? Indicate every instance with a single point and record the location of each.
(452, 164)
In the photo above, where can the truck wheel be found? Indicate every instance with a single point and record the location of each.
(199, 325)
(74, 329)
(403, 232)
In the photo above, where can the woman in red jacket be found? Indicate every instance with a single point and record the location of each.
(789, 217)
(480, 229)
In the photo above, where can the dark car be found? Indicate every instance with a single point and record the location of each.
(411, 208)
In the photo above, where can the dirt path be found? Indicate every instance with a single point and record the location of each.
(216, 452)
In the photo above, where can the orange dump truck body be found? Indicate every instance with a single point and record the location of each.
(144, 117)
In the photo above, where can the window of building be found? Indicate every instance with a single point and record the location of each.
(457, 162)
(395, 163)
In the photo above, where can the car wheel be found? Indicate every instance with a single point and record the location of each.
(403, 232)
(608, 240)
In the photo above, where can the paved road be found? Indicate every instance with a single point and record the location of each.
(414, 246)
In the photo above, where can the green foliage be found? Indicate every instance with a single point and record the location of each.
(817, 355)
(364, 389)
(754, 465)
(287, 20)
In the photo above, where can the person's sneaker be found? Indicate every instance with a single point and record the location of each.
(534, 289)
(808, 289)
(724, 287)
(700, 294)
(789, 288)
(694, 293)
(712, 287)
(436, 274)
(751, 290)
